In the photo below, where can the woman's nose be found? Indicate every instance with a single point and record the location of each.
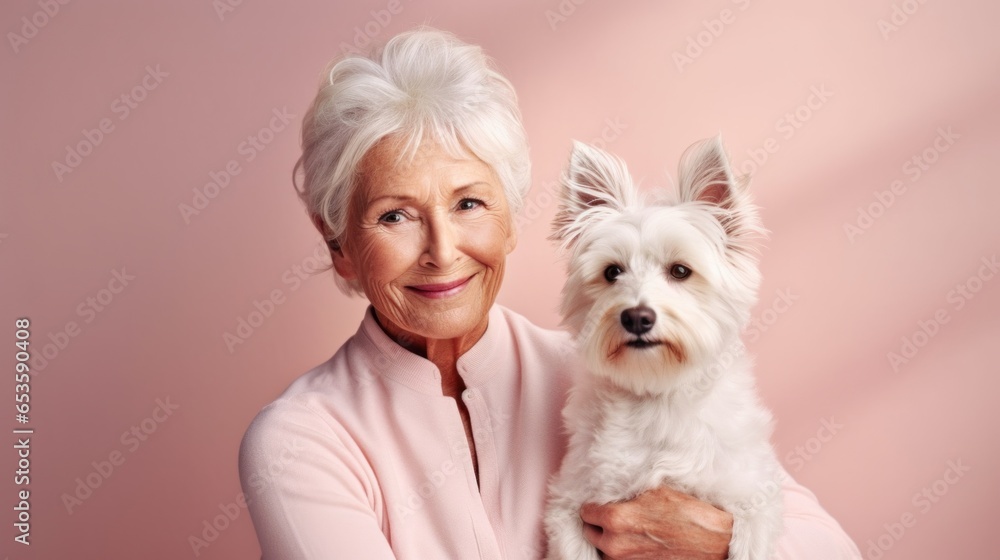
(441, 246)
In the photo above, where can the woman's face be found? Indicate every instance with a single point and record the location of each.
(427, 241)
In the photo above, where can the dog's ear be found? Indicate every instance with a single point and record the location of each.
(596, 184)
(705, 175)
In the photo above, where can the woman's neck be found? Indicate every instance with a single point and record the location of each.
(444, 353)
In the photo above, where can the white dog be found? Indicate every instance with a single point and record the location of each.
(656, 298)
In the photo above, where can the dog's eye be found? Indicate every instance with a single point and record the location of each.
(680, 271)
(612, 272)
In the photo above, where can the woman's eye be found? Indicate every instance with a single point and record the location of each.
(680, 271)
(393, 217)
(612, 272)
(469, 204)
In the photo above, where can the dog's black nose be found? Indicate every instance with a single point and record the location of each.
(638, 320)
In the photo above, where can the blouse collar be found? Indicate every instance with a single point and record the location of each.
(489, 358)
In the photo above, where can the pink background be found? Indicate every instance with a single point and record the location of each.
(604, 68)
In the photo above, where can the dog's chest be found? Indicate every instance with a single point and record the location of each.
(637, 445)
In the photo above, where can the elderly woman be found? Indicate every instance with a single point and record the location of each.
(431, 433)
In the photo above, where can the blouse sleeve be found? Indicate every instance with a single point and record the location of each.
(810, 532)
(309, 495)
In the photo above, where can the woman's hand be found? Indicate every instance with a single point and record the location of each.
(659, 523)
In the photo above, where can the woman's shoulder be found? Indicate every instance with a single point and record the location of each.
(308, 405)
(294, 411)
(303, 419)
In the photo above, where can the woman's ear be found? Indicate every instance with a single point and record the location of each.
(341, 262)
(511, 241)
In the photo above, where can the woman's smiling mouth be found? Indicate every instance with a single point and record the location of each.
(438, 291)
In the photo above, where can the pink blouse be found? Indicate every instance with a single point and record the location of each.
(363, 457)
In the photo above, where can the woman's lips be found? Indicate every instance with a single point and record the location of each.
(437, 291)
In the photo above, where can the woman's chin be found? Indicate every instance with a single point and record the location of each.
(455, 322)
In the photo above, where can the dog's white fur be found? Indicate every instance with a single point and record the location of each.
(682, 410)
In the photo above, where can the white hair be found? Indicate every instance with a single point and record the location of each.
(423, 84)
